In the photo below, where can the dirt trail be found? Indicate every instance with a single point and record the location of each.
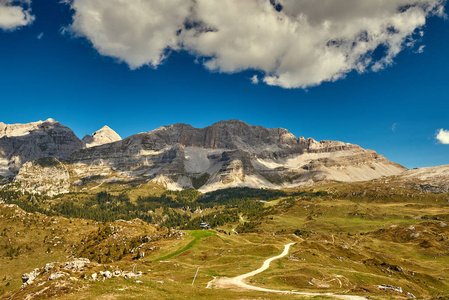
(238, 281)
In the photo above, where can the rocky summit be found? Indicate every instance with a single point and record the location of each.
(224, 154)
(100, 137)
(20, 143)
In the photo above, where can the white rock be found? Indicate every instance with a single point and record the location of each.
(100, 137)
(414, 235)
(57, 275)
(107, 275)
(386, 287)
(49, 266)
(77, 264)
(28, 278)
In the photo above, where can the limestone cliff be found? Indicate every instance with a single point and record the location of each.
(230, 154)
(20, 143)
(224, 154)
(44, 176)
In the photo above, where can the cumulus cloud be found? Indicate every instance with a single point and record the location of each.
(443, 136)
(14, 14)
(135, 31)
(293, 43)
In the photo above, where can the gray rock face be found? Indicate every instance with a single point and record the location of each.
(44, 176)
(20, 143)
(225, 154)
(228, 154)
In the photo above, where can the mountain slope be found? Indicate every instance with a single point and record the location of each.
(227, 154)
(431, 179)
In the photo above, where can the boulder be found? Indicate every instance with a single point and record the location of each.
(107, 275)
(117, 273)
(77, 264)
(128, 275)
(48, 267)
(28, 278)
(57, 275)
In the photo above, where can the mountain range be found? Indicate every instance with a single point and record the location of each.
(48, 157)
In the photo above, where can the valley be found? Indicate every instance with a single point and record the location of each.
(206, 149)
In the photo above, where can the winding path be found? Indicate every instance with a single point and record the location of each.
(239, 281)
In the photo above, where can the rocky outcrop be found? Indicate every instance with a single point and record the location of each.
(430, 180)
(55, 271)
(20, 143)
(103, 136)
(28, 278)
(44, 176)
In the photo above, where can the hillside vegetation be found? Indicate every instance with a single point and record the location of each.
(372, 239)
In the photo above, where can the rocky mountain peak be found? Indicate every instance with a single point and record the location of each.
(51, 120)
(16, 130)
(100, 137)
(20, 143)
(234, 134)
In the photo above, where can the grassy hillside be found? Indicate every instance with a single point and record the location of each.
(350, 239)
(31, 240)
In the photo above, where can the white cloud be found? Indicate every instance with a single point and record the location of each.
(443, 136)
(421, 49)
(14, 14)
(255, 79)
(138, 32)
(294, 43)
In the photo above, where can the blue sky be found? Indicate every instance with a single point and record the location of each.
(66, 78)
